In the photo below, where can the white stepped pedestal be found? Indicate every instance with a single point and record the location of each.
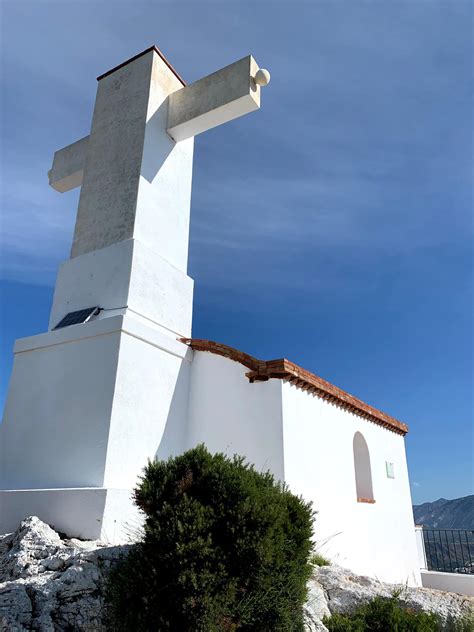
(87, 513)
(88, 405)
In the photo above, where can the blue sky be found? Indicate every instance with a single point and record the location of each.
(333, 227)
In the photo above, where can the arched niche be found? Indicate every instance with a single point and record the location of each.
(362, 470)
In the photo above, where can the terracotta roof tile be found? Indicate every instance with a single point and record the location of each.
(283, 369)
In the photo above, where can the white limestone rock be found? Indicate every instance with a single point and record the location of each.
(313, 625)
(22, 551)
(16, 610)
(316, 606)
(345, 592)
(449, 606)
(49, 584)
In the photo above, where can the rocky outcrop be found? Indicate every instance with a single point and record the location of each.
(48, 584)
(338, 590)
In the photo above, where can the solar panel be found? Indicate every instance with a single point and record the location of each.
(74, 318)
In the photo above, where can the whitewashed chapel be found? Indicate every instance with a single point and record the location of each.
(118, 379)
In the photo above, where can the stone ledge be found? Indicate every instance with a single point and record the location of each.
(103, 327)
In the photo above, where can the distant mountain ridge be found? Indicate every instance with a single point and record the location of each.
(446, 514)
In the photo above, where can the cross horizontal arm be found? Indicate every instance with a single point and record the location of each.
(68, 166)
(220, 97)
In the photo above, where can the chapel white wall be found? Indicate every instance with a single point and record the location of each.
(374, 539)
(230, 415)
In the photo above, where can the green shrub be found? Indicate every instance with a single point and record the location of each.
(225, 548)
(383, 615)
(466, 624)
(318, 560)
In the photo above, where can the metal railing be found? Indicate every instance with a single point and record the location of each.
(449, 550)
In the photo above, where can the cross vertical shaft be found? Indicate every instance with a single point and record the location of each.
(137, 181)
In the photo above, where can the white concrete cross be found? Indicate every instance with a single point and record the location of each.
(130, 244)
(190, 110)
(218, 98)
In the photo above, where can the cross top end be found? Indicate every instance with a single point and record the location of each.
(137, 56)
(220, 97)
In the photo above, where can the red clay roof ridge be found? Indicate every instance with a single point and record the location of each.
(262, 370)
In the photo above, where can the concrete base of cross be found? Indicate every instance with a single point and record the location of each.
(87, 513)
